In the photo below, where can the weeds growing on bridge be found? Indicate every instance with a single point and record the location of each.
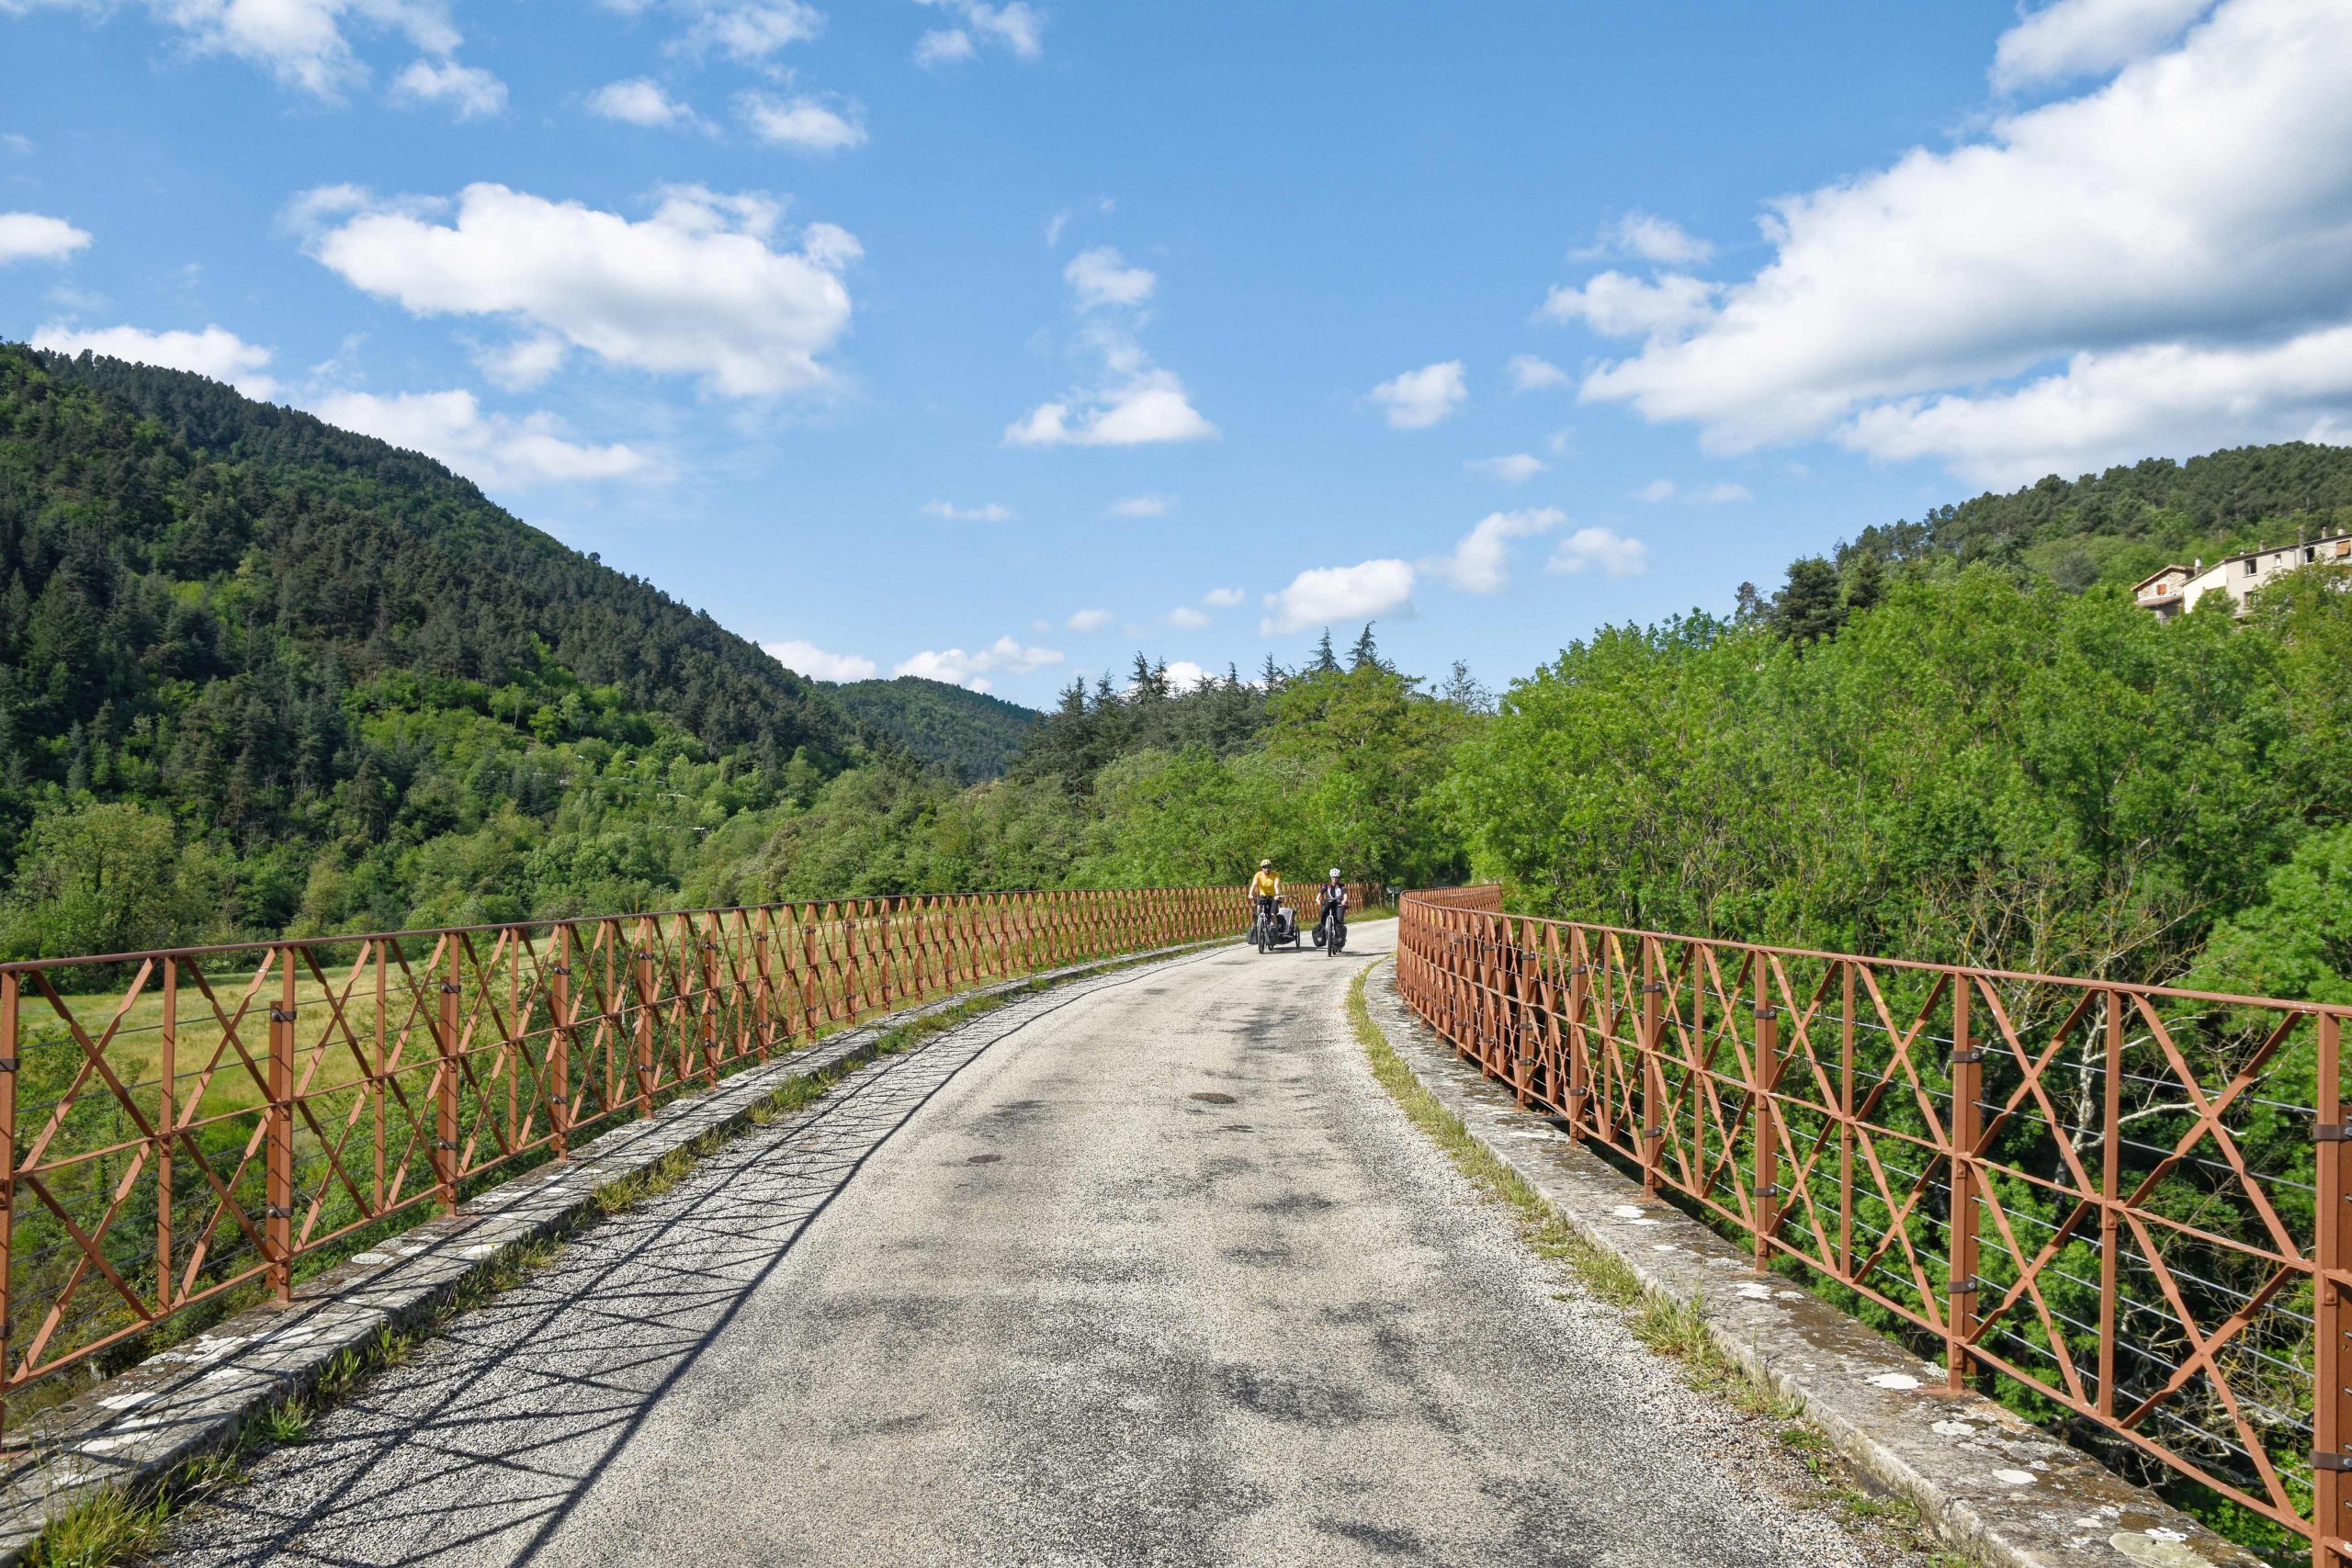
(1670, 1327)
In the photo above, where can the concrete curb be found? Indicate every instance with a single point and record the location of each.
(134, 1429)
(1989, 1482)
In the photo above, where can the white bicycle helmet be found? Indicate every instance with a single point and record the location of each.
(1335, 874)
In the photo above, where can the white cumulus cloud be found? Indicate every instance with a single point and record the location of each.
(952, 665)
(468, 91)
(491, 450)
(1183, 675)
(2086, 37)
(306, 44)
(1132, 402)
(1616, 305)
(1514, 470)
(1142, 506)
(1419, 399)
(1102, 277)
(2194, 210)
(523, 363)
(1188, 618)
(1327, 594)
(807, 659)
(2113, 407)
(945, 46)
(1017, 28)
(989, 512)
(1710, 495)
(1532, 373)
(749, 31)
(29, 236)
(803, 122)
(1089, 621)
(215, 352)
(640, 100)
(1601, 549)
(696, 288)
(1224, 598)
(1479, 558)
(1648, 236)
(1148, 407)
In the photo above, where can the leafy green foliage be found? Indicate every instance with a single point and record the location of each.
(1979, 770)
(2117, 527)
(971, 733)
(256, 674)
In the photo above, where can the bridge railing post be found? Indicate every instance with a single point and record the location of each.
(445, 1076)
(1964, 1125)
(763, 997)
(560, 1044)
(1579, 1042)
(1764, 1075)
(10, 999)
(641, 963)
(1653, 1127)
(2331, 1255)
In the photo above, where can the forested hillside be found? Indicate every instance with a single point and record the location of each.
(973, 734)
(255, 673)
(2118, 526)
(1958, 739)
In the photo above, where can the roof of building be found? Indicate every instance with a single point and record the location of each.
(2204, 568)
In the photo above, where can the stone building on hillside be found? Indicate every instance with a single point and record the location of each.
(2178, 588)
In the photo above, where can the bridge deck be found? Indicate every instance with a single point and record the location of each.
(1035, 1293)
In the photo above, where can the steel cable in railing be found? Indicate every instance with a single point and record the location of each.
(2088, 1154)
(179, 1129)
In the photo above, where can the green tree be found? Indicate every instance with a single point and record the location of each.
(1810, 606)
(1326, 662)
(107, 878)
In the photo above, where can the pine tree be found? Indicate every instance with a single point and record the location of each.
(1865, 583)
(1272, 676)
(1326, 662)
(1365, 655)
(1464, 691)
(1809, 607)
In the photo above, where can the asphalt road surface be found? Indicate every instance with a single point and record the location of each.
(1145, 1270)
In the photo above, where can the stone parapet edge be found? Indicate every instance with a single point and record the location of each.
(134, 1429)
(1989, 1482)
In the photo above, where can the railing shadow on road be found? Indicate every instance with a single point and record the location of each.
(481, 1449)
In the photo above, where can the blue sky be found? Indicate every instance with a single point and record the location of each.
(997, 342)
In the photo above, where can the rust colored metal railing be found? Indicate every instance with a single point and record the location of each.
(182, 1129)
(2127, 1201)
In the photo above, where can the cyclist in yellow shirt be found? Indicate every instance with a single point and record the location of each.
(1265, 890)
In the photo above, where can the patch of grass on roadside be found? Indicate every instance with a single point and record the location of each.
(1671, 1328)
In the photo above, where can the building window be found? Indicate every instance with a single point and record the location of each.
(2249, 567)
